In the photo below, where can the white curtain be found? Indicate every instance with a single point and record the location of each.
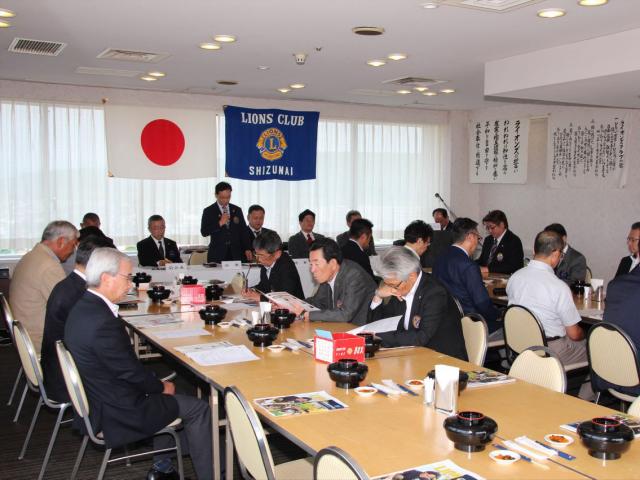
(53, 166)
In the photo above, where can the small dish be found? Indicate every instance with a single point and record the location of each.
(224, 324)
(365, 391)
(558, 439)
(414, 384)
(504, 457)
(276, 348)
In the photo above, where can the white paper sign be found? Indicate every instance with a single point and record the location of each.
(175, 266)
(232, 265)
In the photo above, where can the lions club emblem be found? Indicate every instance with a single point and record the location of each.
(500, 257)
(271, 144)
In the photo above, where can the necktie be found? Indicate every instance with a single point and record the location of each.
(492, 252)
(256, 233)
(309, 239)
(161, 250)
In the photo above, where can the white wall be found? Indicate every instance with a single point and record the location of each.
(597, 222)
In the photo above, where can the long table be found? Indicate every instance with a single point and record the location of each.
(386, 434)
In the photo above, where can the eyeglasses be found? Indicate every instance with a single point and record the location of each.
(129, 277)
(264, 255)
(477, 235)
(396, 286)
(632, 240)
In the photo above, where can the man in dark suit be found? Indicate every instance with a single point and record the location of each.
(278, 273)
(90, 225)
(417, 238)
(461, 275)
(628, 264)
(345, 289)
(502, 252)
(355, 249)
(128, 403)
(573, 265)
(343, 238)
(300, 242)
(156, 250)
(429, 316)
(224, 223)
(441, 216)
(63, 297)
(255, 221)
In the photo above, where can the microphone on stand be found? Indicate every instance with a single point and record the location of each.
(451, 212)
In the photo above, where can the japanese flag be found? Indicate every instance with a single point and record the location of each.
(160, 143)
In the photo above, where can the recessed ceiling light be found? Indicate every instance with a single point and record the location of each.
(157, 74)
(430, 94)
(4, 13)
(284, 90)
(210, 46)
(551, 13)
(421, 89)
(147, 78)
(263, 67)
(376, 63)
(368, 31)
(430, 5)
(297, 85)
(397, 56)
(224, 38)
(447, 90)
(592, 3)
(403, 92)
(4, 24)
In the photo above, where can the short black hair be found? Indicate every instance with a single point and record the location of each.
(268, 240)
(88, 245)
(558, 228)
(635, 226)
(417, 230)
(360, 226)
(547, 242)
(222, 186)
(154, 218)
(462, 227)
(442, 211)
(254, 208)
(329, 247)
(351, 214)
(304, 213)
(90, 217)
(496, 216)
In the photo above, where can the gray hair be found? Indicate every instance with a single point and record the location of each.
(103, 260)
(398, 262)
(59, 228)
(269, 241)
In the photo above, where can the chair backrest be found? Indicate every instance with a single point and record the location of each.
(248, 436)
(475, 332)
(459, 306)
(522, 329)
(28, 355)
(197, 258)
(7, 316)
(333, 463)
(547, 372)
(588, 276)
(613, 355)
(634, 408)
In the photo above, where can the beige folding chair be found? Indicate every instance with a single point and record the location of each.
(634, 408)
(197, 258)
(475, 332)
(588, 276)
(33, 373)
(7, 316)
(252, 446)
(546, 372)
(612, 357)
(521, 330)
(333, 463)
(459, 306)
(81, 406)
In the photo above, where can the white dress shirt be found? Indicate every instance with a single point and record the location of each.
(537, 288)
(112, 306)
(80, 274)
(634, 261)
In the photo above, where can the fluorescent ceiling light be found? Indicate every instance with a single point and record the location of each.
(4, 24)
(147, 78)
(157, 74)
(284, 90)
(376, 63)
(297, 85)
(592, 3)
(551, 13)
(403, 92)
(210, 46)
(263, 67)
(430, 94)
(224, 38)
(397, 56)
(430, 5)
(421, 89)
(4, 13)
(447, 90)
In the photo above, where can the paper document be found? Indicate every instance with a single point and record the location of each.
(146, 321)
(444, 470)
(286, 300)
(385, 325)
(222, 355)
(182, 333)
(201, 347)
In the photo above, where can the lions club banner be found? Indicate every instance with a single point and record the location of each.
(270, 144)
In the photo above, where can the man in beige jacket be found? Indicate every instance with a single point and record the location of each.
(37, 273)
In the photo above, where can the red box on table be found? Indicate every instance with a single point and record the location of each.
(192, 294)
(341, 345)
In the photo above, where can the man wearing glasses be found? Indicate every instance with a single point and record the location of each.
(428, 314)
(502, 251)
(627, 264)
(278, 273)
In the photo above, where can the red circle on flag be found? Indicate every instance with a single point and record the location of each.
(162, 142)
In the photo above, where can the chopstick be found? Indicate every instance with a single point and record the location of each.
(523, 456)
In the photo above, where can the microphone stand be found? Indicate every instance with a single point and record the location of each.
(451, 212)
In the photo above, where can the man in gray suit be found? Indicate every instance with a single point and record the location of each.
(300, 242)
(345, 289)
(573, 265)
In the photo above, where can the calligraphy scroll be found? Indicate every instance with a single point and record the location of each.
(498, 150)
(587, 150)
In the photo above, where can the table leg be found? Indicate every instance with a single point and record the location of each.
(229, 451)
(215, 414)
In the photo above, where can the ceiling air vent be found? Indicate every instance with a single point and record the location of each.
(414, 81)
(496, 6)
(36, 47)
(132, 56)
(108, 72)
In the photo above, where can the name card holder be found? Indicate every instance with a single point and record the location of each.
(175, 266)
(232, 265)
(301, 262)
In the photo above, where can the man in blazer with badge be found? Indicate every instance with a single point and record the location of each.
(255, 228)
(502, 251)
(573, 265)
(345, 289)
(429, 315)
(629, 263)
(300, 242)
(224, 223)
(156, 250)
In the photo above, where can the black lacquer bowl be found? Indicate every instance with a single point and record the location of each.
(141, 277)
(212, 314)
(213, 292)
(606, 438)
(371, 344)
(347, 372)
(189, 280)
(463, 378)
(158, 293)
(282, 318)
(470, 431)
(262, 334)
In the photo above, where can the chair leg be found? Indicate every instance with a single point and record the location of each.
(76, 466)
(126, 453)
(15, 387)
(597, 398)
(31, 427)
(52, 442)
(176, 437)
(24, 394)
(105, 462)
